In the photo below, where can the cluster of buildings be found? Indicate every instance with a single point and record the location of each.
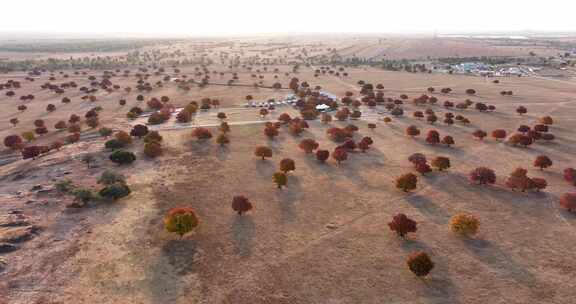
(483, 69)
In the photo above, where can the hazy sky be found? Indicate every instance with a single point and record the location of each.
(265, 16)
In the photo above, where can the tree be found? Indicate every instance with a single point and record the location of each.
(221, 115)
(224, 127)
(322, 155)
(422, 168)
(441, 163)
(401, 224)
(499, 134)
(464, 224)
(262, 151)
(271, 132)
(280, 179)
(287, 165)
(72, 138)
(31, 152)
(546, 120)
(123, 137)
(417, 158)
(339, 155)
(14, 121)
(28, 136)
(153, 149)
(479, 134)
(447, 140)
(222, 139)
(412, 131)
(482, 176)
(122, 157)
(568, 201)
(433, 137)
(201, 134)
(284, 118)
(56, 145)
(88, 158)
(139, 131)
(13, 142)
(407, 182)
(241, 204)
(521, 110)
(542, 161)
(420, 263)
(570, 176)
(308, 145)
(180, 220)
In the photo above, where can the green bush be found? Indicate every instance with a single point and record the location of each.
(115, 191)
(109, 178)
(122, 157)
(83, 195)
(113, 144)
(65, 186)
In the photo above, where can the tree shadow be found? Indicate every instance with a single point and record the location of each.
(288, 197)
(243, 232)
(501, 262)
(428, 208)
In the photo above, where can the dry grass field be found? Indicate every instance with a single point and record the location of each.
(324, 238)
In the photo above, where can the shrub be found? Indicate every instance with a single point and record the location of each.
(122, 157)
(539, 183)
(441, 163)
(464, 224)
(110, 178)
(184, 116)
(139, 131)
(482, 176)
(201, 133)
(401, 224)
(407, 182)
(420, 263)
(56, 145)
(280, 179)
(568, 201)
(322, 155)
(115, 191)
(287, 165)
(262, 151)
(241, 204)
(284, 118)
(153, 149)
(542, 161)
(113, 144)
(180, 220)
